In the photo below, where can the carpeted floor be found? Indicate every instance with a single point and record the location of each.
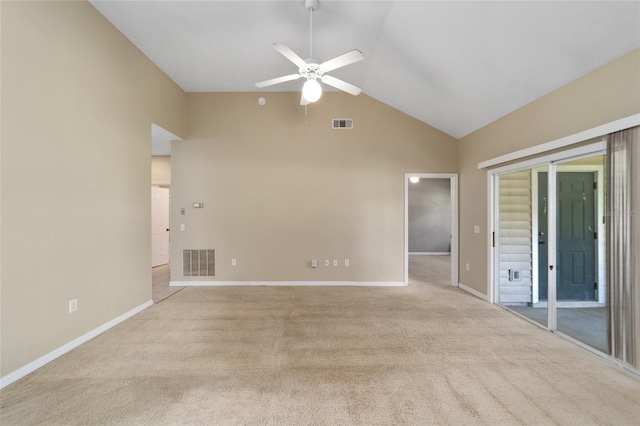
(424, 354)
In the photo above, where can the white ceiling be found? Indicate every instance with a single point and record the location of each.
(454, 65)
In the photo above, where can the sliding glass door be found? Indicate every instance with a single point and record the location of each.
(550, 253)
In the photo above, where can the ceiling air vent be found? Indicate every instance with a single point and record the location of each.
(342, 123)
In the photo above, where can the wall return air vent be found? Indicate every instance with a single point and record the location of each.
(342, 123)
(199, 263)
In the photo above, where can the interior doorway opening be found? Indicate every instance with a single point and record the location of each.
(161, 141)
(431, 226)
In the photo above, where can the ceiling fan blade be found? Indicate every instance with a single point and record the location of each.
(340, 61)
(303, 101)
(277, 80)
(289, 54)
(342, 85)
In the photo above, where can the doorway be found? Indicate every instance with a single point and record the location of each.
(549, 258)
(159, 226)
(161, 141)
(431, 224)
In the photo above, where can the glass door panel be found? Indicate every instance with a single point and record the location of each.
(521, 244)
(579, 263)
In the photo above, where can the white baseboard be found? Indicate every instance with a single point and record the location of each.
(45, 359)
(474, 292)
(287, 283)
(429, 253)
(571, 304)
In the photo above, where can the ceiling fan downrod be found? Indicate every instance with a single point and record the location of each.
(311, 5)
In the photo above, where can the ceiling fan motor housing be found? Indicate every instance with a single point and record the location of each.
(311, 4)
(312, 70)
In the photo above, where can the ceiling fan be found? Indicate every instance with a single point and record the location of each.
(312, 70)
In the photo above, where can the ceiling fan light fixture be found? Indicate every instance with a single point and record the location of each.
(313, 70)
(311, 91)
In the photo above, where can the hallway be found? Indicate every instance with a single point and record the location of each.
(160, 277)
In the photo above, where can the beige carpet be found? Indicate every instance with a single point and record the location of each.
(424, 354)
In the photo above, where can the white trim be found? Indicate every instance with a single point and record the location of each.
(45, 359)
(287, 283)
(552, 235)
(161, 183)
(584, 151)
(472, 291)
(429, 253)
(454, 229)
(604, 129)
(453, 178)
(572, 304)
(493, 221)
(535, 238)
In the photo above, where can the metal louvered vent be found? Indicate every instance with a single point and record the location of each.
(199, 263)
(342, 123)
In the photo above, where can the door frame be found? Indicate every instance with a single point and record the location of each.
(453, 179)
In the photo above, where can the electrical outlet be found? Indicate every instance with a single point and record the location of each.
(326, 262)
(182, 227)
(335, 262)
(314, 263)
(73, 305)
(346, 262)
(476, 229)
(233, 262)
(467, 267)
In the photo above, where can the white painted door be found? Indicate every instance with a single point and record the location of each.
(159, 226)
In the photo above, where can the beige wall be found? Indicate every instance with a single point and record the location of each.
(278, 193)
(607, 94)
(161, 168)
(78, 100)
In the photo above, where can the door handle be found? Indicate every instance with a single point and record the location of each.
(540, 242)
(167, 229)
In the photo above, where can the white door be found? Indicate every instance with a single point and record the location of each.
(159, 226)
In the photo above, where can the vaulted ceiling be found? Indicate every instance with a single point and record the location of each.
(454, 65)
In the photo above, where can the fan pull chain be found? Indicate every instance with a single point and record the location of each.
(306, 121)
